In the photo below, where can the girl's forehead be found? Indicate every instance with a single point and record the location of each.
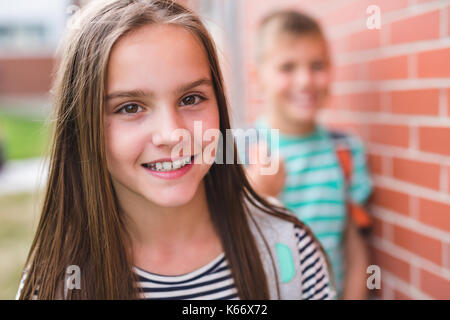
(156, 55)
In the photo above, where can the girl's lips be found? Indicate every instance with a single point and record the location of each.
(167, 160)
(173, 174)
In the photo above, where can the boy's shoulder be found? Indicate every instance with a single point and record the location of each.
(344, 139)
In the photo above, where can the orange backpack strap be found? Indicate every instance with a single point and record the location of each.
(359, 215)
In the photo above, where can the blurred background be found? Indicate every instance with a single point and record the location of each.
(392, 88)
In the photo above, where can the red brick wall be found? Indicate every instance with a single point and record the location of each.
(25, 75)
(392, 87)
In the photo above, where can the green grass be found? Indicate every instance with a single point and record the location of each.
(18, 221)
(23, 136)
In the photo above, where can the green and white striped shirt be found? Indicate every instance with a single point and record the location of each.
(315, 188)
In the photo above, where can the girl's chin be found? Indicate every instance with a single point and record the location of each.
(171, 198)
(170, 202)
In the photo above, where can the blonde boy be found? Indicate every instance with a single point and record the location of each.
(294, 74)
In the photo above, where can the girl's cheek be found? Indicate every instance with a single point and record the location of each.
(122, 141)
(210, 123)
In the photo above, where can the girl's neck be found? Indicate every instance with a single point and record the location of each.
(156, 227)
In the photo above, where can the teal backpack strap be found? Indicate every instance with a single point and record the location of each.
(284, 269)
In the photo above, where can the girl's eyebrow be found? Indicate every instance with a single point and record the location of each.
(141, 93)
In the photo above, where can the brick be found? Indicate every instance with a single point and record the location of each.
(434, 139)
(377, 227)
(375, 164)
(435, 214)
(417, 102)
(363, 40)
(389, 68)
(345, 14)
(364, 101)
(398, 295)
(446, 255)
(448, 103)
(389, 5)
(448, 18)
(448, 179)
(16, 78)
(349, 72)
(346, 126)
(394, 135)
(417, 172)
(424, 246)
(388, 262)
(426, 27)
(434, 63)
(357, 10)
(437, 287)
(392, 200)
(386, 290)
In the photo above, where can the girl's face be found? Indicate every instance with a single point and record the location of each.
(295, 76)
(158, 81)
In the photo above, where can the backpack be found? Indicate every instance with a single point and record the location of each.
(357, 212)
(282, 245)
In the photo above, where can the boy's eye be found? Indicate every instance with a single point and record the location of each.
(129, 108)
(287, 67)
(191, 100)
(318, 65)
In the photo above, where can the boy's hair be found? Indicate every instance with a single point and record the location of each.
(283, 22)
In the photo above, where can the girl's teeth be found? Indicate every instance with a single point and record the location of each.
(169, 166)
(177, 164)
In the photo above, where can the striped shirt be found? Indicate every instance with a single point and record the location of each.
(215, 282)
(315, 189)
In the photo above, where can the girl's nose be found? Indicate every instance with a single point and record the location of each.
(165, 127)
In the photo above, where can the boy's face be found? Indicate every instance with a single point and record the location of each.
(295, 76)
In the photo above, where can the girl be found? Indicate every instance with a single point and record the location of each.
(135, 221)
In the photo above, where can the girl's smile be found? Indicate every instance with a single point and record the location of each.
(167, 169)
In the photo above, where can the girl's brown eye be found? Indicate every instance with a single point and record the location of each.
(188, 100)
(191, 100)
(129, 109)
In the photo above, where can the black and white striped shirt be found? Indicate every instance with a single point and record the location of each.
(215, 282)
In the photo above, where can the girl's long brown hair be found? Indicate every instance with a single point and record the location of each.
(80, 222)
